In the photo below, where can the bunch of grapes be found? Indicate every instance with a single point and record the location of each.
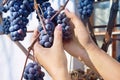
(33, 72)
(6, 25)
(20, 10)
(64, 21)
(46, 38)
(85, 8)
(45, 5)
(47, 10)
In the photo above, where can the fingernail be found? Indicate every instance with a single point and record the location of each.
(59, 27)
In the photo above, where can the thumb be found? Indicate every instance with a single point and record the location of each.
(58, 36)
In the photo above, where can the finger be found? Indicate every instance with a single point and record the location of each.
(75, 19)
(58, 36)
(70, 14)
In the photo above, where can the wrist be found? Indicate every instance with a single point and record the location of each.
(92, 47)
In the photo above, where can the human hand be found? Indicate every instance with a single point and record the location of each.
(52, 59)
(81, 39)
(80, 42)
(80, 31)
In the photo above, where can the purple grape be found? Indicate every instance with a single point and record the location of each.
(20, 10)
(64, 21)
(25, 76)
(33, 72)
(85, 8)
(47, 44)
(6, 25)
(46, 39)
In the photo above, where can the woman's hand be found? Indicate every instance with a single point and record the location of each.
(52, 59)
(81, 39)
(99, 60)
(80, 42)
(80, 31)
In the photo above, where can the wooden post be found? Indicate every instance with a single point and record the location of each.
(111, 23)
(114, 44)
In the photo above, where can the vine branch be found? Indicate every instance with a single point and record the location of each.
(59, 10)
(41, 20)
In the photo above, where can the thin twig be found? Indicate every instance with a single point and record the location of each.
(4, 2)
(29, 49)
(30, 31)
(25, 64)
(31, 46)
(59, 10)
(41, 20)
(23, 49)
(41, 10)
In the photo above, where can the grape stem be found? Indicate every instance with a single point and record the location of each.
(1, 18)
(41, 10)
(30, 31)
(4, 2)
(23, 49)
(62, 8)
(29, 49)
(41, 19)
